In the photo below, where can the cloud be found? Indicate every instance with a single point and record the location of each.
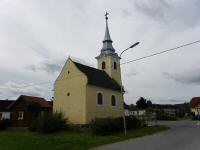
(173, 101)
(178, 15)
(189, 77)
(55, 66)
(47, 66)
(12, 90)
(1, 94)
(131, 72)
(156, 10)
(82, 61)
(35, 44)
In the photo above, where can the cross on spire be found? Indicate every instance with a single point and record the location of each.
(107, 42)
(106, 15)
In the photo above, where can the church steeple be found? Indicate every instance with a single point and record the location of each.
(108, 60)
(107, 42)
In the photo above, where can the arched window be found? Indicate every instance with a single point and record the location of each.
(100, 99)
(115, 65)
(113, 100)
(103, 65)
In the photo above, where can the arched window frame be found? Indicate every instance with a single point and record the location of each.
(97, 100)
(114, 100)
(103, 65)
(115, 65)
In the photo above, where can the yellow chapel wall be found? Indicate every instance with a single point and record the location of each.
(93, 110)
(73, 82)
(113, 73)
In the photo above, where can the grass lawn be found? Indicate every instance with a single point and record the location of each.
(185, 118)
(25, 140)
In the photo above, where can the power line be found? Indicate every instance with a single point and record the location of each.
(161, 52)
(147, 56)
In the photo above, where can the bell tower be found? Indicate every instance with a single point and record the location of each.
(108, 60)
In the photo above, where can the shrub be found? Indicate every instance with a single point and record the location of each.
(117, 124)
(133, 123)
(33, 125)
(102, 126)
(49, 123)
(196, 117)
(106, 126)
(4, 124)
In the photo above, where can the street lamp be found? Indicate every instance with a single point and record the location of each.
(124, 118)
(129, 48)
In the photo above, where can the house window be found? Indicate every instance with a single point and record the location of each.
(113, 100)
(100, 99)
(20, 115)
(115, 65)
(103, 65)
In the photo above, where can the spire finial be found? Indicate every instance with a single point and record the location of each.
(106, 15)
(107, 42)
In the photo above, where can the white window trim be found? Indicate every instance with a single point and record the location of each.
(115, 100)
(22, 115)
(97, 98)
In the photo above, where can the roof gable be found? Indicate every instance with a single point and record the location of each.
(29, 99)
(98, 77)
(69, 70)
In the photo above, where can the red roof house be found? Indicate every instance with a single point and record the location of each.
(22, 115)
(195, 105)
(195, 101)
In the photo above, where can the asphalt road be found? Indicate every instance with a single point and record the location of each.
(183, 135)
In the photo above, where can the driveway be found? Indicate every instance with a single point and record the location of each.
(183, 135)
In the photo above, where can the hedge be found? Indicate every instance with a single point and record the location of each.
(107, 126)
(49, 123)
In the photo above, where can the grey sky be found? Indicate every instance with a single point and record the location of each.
(36, 37)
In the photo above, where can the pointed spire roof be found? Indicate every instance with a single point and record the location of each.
(107, 34)
(107, 42)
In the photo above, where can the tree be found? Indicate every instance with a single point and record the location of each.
(149, 103)
(141, 103)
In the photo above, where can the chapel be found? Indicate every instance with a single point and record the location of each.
(83, 93)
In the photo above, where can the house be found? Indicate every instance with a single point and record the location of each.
(4, 111)
(195, 105)
(132, 110)
(83, 93)
(137, 113)
(25, 108)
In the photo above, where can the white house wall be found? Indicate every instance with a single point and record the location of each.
(5, 115)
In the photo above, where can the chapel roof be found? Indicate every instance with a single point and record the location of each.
(98, 77)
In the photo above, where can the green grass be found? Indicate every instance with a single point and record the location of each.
(185, 118)
(19, 140)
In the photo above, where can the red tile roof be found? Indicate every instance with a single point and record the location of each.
(41, 101)
(195, 101)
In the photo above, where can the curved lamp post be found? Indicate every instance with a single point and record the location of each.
(124, 118)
